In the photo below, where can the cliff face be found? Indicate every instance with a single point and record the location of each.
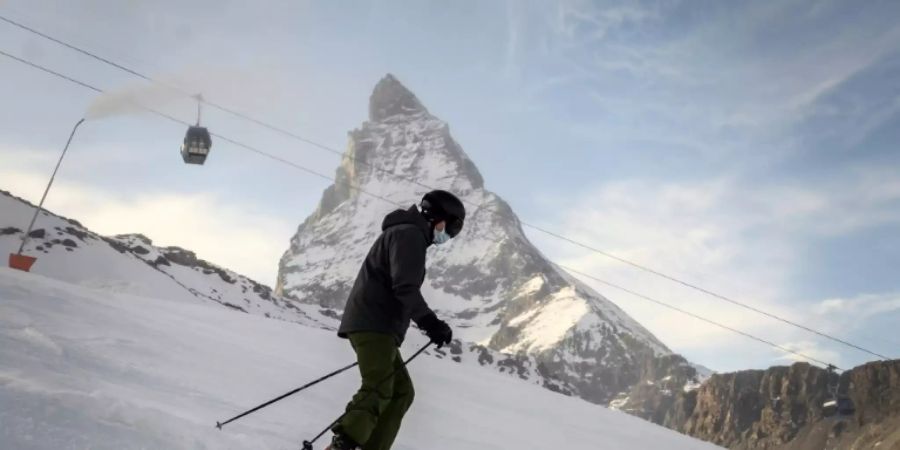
(664, 381)
(781, 408)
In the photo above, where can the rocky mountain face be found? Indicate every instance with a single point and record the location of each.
(781, 408)
(664, 380)
(496, 289)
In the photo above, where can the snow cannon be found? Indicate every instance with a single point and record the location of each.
(18, 260)
(197, 141)
(21, 262)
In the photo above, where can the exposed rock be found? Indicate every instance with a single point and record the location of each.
(181, 256)
(9, 230)
(661, 389)
(161, 261)
(391, 98)
(781, 408)
(134, 238)
(79, 233)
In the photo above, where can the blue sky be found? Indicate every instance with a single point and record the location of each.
(751, 148)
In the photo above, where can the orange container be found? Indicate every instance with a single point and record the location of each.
(21, 262)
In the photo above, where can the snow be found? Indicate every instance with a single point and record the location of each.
(548, 324)
(93, 262)
(611, 313)
(532, 285)
(86, 368)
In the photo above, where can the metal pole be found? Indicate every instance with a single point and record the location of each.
(199, 98)
(219, 425)
(44, 197)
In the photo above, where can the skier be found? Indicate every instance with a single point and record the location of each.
(385, 296)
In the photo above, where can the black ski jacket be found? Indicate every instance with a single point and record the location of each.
(386, 294)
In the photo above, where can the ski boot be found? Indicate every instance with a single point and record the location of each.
(342, 442)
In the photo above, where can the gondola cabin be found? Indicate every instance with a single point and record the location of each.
(845, 406)
(839, 405)
(197, 143)
(842, 407)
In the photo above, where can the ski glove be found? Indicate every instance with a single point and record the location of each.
(436, 329)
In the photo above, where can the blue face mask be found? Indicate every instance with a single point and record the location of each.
(441, 237)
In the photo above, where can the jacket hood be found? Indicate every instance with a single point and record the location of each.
(410, 216)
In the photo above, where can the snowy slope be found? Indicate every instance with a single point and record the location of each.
(68, 252)
(132, 264)
(82, 368)
(491, 283)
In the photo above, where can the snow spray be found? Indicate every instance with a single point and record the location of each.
(132, 99)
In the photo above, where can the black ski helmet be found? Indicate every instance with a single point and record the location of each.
(441, 205)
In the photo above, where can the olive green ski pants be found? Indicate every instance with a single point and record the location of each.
(373, 418)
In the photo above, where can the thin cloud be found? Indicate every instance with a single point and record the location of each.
(512, 38)
(810, 348)
(855, 310)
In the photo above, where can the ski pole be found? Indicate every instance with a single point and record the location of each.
(307, 445)
(219, 425)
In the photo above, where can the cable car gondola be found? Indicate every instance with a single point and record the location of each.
(196, 145)
(197, 141)
(838, 405)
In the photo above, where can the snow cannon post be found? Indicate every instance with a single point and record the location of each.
(19, 260)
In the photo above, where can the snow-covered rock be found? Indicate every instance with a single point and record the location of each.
(68, 251)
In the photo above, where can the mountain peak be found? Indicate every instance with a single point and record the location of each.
(496, 288)
(390, 97)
